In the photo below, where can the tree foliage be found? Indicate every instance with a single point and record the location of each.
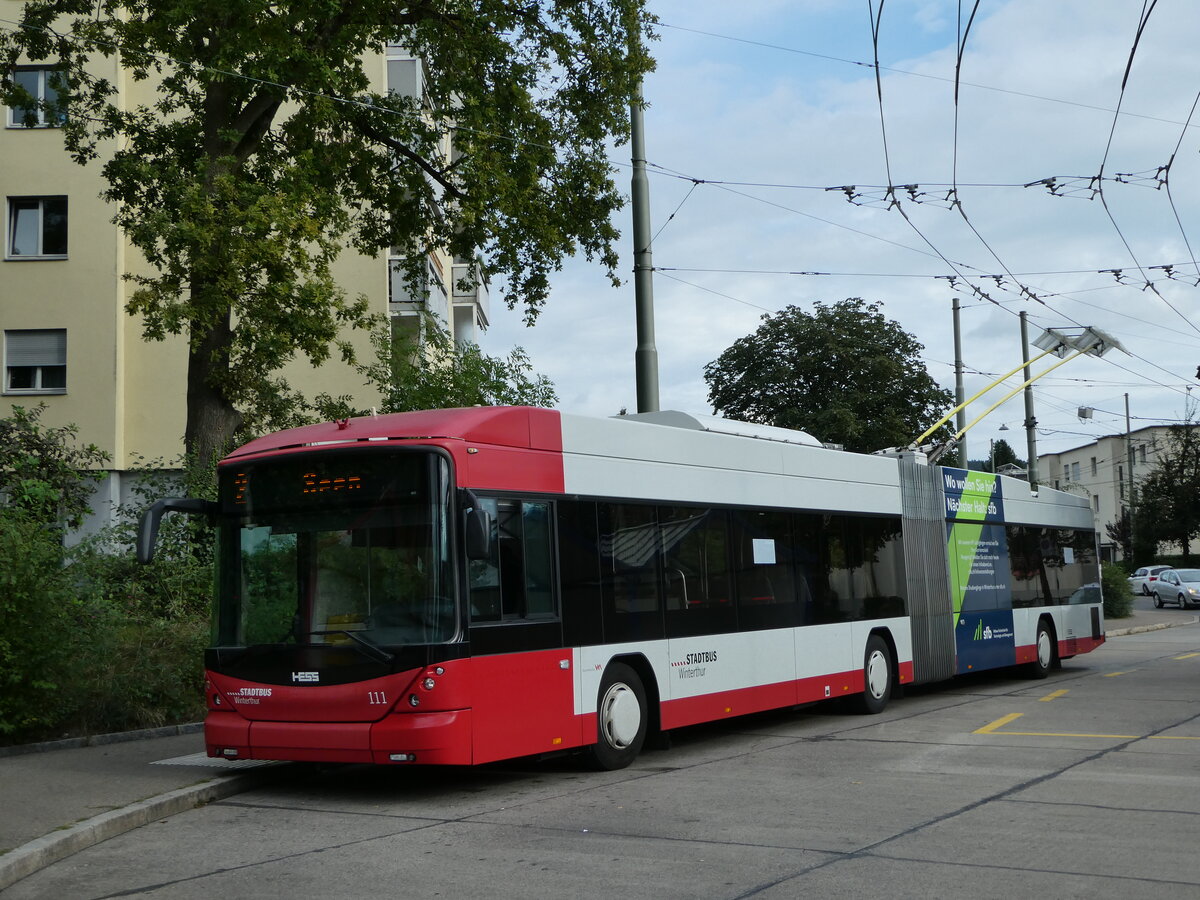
(266, 147)
(427, 369)
(1120, 532)
(843, 372)
(1168, 501)
(43, 471)
(1001, 454)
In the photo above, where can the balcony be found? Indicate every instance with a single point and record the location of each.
(428, 294)
(469, 293)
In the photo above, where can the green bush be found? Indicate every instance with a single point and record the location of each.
(90, 641)
(146, 653)
(40, 628)
(1118, 599)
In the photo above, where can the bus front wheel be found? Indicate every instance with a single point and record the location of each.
(877, 676)
(621, 718)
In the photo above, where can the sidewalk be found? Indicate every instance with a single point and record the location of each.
(62, 797)
(1150, 620)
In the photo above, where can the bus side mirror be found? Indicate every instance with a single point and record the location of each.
(147, 534)
(478, 527)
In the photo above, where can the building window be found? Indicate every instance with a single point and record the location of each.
(1142, 453)
(1066, 472)
(1093, 466)
(1075, 471)
(35, 362)
(37, 227)
(40, 82)
(1096, 503)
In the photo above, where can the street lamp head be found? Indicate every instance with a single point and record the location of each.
(1092, 341)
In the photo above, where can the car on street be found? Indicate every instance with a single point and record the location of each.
(1180, 586)
(1141, 581)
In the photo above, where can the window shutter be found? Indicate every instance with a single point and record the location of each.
(36, 348)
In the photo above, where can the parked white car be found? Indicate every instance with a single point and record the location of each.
(1142, 581)
(1180, 586)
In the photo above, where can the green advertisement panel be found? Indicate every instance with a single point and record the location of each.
(977, 551)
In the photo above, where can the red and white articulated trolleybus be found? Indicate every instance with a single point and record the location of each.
(468, 585)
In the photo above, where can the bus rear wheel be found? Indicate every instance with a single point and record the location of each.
(877, 677)
(1044, 647)
(621, 718)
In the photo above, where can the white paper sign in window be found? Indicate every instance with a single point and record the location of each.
(764, 551)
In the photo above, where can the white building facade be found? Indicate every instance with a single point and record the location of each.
(1106, 471)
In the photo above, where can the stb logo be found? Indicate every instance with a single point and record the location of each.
(981, 633)
(306, 676)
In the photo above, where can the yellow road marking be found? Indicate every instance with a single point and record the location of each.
(1053, 696)
(999, 723)
(1115, 674)
(1186, 656)
(1125, 737)
(994, 728)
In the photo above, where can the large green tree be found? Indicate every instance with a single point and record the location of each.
(1168, 498)
(267, 147)
(843, 372)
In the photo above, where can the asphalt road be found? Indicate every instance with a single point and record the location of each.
(1086, 784)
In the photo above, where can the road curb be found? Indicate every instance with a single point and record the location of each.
(50, 848)
(1141, 629)
(98, 740)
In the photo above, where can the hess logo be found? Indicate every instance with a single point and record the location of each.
(306, 677)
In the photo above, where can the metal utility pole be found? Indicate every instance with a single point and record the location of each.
(1030, 421)
(646, 355)
(1129, 452)
(960, 392)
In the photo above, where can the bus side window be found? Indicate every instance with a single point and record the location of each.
(516, 581)
(631, 553)
(695, 557)
(485, 574)
(768, 594)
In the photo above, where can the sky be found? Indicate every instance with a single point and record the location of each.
(768, 103)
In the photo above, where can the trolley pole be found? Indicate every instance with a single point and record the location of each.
(646, 355)
(1030, 421)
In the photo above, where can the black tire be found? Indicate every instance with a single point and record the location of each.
(878, 677)
(1145, 590)
(622, 718)
(1183, 604)
(1044, 652)
(1158, 604)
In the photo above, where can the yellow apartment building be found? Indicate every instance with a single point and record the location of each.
(67, 340)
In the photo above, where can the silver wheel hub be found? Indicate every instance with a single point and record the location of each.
(1043, 649)
(620, 716)
(877, 674)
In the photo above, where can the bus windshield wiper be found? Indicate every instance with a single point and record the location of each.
(363, 645)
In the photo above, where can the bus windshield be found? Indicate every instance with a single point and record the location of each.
(346, 548)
